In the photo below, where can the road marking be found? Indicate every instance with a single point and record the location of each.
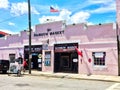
(113, 86)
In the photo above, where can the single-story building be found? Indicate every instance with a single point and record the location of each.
(57, 47)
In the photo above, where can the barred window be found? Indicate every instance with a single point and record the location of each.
(99, 58)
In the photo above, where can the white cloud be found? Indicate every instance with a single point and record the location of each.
(105, 8)
(21, 8)
(90, 23)
(80, 17)
(11, 24)
(100, 1)
(66, 15)
(44, 19)
(4, 4)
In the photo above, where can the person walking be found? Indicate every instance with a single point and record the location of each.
(24, 65)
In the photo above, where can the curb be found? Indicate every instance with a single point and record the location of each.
(73, 77)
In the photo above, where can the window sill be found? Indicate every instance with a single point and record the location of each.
(101, 68)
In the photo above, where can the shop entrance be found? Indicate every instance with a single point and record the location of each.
(36, 60)
(66, 60)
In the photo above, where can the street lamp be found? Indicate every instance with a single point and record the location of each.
(29, 23)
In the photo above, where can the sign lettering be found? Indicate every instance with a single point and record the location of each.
(50, 33)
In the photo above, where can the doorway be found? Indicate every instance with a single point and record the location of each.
(66, 62)
(66, 58)
(34, 61)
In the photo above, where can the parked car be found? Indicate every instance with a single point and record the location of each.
(4, 65)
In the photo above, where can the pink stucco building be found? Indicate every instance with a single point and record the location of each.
(54, 48)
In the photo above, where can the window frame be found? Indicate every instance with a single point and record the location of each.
(47, 59)
(98, 63)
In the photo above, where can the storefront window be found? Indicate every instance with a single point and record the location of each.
(48, 58)
(99, 58)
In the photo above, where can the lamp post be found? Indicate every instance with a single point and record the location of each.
(29, 23)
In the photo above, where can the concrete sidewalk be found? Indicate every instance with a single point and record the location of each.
(107, 78)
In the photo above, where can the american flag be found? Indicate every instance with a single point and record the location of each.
(53, 10)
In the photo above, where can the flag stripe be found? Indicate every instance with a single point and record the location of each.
(53, 10)
(79, 52)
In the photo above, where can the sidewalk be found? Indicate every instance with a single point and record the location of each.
(76, 76)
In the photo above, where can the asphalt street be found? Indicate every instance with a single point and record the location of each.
(28, 82)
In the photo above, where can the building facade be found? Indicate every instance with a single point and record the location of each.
(76, 48)
(54, 48)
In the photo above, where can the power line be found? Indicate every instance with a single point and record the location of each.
(8, 19)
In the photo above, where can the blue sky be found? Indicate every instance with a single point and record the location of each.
(14, 13)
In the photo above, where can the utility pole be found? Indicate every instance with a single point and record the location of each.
(118, 47)
(29, 23)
